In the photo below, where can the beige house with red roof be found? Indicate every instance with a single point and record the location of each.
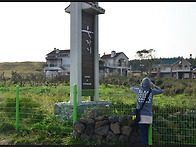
(114, 63)
(57, 63)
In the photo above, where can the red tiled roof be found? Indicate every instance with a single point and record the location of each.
(60, 51)
(109, 56)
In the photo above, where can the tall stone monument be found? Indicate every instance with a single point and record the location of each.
(84, 59)
(84, 67)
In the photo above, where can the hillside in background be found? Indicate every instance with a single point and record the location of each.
(37, 67)
(21, 67)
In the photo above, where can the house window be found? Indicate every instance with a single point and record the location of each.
(180, 65)
(119, 63)
(185, 65)
(174, 75)
(186, 75)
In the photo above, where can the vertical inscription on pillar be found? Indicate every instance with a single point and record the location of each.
(87, 53)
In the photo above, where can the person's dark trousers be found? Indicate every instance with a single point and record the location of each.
(144, 133)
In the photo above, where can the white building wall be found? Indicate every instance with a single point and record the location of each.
(66, 63)
(122, 56)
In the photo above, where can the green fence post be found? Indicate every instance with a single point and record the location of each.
(17, 108)
(150, 135)
(74, 103)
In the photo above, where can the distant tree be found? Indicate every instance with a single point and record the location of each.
(193, 62)
(146, 59)
(146, 54)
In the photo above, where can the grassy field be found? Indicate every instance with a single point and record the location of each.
(21, 67)
(173, 110)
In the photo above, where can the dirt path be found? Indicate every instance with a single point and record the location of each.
(4, 140)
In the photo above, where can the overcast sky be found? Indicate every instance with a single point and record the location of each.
(30, 30)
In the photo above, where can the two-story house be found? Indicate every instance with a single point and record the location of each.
(57, 63)
(114, 63)
(178, 68)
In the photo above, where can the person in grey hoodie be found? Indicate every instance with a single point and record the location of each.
(146, 111)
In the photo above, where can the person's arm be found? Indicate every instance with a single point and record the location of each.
(158, 90)
(135, 89)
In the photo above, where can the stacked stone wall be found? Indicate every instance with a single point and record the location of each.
(106, 129)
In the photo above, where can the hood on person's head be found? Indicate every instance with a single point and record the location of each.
(146, 83)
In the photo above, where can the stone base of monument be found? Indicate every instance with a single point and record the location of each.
(64, 110)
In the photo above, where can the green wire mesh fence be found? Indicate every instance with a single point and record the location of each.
(174, 121)
(35, 104)
(7, 108)
(173, 118)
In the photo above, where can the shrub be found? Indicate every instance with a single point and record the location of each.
(188, 91)
(179, 88)
(159, 82)
(169, 92)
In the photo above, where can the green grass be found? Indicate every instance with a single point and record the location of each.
(38, 126)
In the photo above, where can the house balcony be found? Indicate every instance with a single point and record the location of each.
(165, 71)
(52, 68)
(153, 71)
(51, 65)
(181, 70)
(53, 58)
(116, 66)
(56, 67)
(173, 71)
